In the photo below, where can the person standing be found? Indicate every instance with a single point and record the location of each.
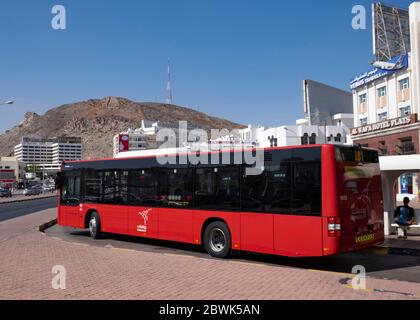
(404, 217)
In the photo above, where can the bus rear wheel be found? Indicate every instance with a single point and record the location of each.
(217, 240)
(95, 226)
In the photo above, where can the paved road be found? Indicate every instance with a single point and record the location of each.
(124, 268)
(18, 209)
(377, 264)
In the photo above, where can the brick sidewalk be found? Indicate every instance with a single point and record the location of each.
(28, 256)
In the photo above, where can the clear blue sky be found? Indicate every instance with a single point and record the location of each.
(238, 59)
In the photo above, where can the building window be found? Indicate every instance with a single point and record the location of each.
(383, 149)
(273, 141)
(406, 146)
(305, 139)
(383, 116)
(382, 92)
(404, 84)
(312, 139)
(338, 138)
(363, 122)
(405, 111)
(362, 98)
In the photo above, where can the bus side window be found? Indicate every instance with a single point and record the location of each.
(176, 188)
(143, 187)
(217, 189)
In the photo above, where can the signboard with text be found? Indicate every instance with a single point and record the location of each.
(124, 143)
(389, 124)
(378, 73)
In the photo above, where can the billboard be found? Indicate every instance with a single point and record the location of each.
(391, 31)
(377, 73)
(321, 102)
(124, 142)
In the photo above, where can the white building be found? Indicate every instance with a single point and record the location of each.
(136, 139)
(11, 171)
(293, 135)
(48, 154)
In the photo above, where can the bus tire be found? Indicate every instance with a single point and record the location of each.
(95, 226)
(217, 240)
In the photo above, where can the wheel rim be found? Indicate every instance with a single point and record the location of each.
(217, 240)
(92, 226)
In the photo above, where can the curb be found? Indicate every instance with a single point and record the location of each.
(26, 200)
(45, 226)
(385, 250)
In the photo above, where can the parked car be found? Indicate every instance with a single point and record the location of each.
(34, 191)
(47, 189)
(5, 193)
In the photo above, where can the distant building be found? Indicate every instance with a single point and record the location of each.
(48, 154)
(11, 171)
(142, 138)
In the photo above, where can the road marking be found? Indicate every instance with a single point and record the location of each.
(380, 251)
(178, 255)
(56, 238)
(361, 289)
(332, 272)
(125, 249)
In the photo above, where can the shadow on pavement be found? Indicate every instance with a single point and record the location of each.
(376, 263)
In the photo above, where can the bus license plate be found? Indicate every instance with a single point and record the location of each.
(365, 238)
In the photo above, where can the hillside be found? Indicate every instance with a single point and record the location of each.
(97, 121)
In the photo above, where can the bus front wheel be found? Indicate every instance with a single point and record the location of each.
(217, 240)
(95, 226)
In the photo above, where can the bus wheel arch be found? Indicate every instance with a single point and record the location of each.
(217, 238)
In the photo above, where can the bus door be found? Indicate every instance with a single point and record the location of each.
(176, 200)
(70, 200)
(113, 209)
(298, 222)
(143, 213)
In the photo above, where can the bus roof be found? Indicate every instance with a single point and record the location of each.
(204, 152)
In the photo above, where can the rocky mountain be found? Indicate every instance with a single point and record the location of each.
(97, 121)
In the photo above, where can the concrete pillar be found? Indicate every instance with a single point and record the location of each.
(414, 11)
(388, 180)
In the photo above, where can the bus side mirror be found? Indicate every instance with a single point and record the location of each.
(58, 181)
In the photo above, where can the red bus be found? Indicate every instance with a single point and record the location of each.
(309, 201)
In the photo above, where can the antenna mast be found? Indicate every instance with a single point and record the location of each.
(169, 86)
